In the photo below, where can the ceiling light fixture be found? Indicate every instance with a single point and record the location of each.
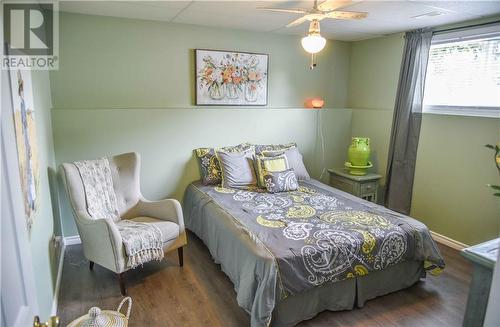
(313, 42)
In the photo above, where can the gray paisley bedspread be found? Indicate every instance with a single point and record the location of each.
(318, 235)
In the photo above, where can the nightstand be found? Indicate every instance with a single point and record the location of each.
(365, 187)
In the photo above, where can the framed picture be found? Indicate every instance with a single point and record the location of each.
(229, 78)
(25, 130)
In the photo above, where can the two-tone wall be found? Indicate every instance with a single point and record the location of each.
(128, 85)
(453, 167)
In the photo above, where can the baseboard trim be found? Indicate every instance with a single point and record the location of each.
(448, 241)
(72, 240)
(55, 300)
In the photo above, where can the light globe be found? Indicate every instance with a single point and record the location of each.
(313, 43)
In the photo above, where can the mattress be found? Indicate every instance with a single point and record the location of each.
(292, 255)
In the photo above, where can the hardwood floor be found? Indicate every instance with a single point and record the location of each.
(200, 294)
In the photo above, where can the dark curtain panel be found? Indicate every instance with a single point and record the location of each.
(406, 121)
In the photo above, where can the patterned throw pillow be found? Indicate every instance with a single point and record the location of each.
(295, 161)
(210, 170)
(265, 164)
(259, 148)
(281, 181)
(209, 166)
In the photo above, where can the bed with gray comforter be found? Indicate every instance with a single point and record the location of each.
(294, 254)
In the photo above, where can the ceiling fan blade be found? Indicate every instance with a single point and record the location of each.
(346, 15)
(297, 21)
(330, 5)
(290, 10)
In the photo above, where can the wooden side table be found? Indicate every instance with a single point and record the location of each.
(483, 257)
(365, 187)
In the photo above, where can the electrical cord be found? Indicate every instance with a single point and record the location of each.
(322, 140)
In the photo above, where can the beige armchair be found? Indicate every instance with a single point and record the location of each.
(102, 243)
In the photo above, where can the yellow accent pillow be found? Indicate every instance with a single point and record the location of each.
(275, 164)
(269, 164)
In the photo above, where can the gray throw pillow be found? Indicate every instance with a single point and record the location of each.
(209, 165)
(281, 181)
(237, 169)
(295, 161)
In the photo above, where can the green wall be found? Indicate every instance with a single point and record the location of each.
(44, 256)
(450, 194)
(453, 169)
(373, 80)
(108, 62)
(127, 85)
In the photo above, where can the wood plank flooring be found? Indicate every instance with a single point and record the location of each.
(200, 294)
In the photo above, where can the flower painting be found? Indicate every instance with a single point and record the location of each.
(24, 121)
(231, 78)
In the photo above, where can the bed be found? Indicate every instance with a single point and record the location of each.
(294, 254)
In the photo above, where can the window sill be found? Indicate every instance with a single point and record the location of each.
(487, 112)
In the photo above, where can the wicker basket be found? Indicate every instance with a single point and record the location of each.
(104, 318)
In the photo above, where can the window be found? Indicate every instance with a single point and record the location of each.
(463, 73)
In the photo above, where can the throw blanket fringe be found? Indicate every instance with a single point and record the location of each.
(143, 242)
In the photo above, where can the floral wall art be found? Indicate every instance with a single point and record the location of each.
(231, 78)
(25, 129)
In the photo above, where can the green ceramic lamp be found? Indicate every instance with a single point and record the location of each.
(358, 156)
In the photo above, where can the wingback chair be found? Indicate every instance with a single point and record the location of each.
(102, 243)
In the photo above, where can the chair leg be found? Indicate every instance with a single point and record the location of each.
(91, 265)
(121, 281)
(181, 257)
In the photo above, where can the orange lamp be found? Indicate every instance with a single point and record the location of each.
(314, 103)
(318, 103)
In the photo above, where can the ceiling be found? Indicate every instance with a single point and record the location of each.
(384, 17)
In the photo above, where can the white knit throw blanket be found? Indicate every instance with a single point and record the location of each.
(98, 186)
(142, 241)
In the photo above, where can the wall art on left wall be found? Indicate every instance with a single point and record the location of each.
(27, 151)
(228, 78)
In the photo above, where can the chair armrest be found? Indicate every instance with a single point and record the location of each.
(102, 243)
(168, 209)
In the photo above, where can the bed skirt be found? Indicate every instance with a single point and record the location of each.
(346, 294)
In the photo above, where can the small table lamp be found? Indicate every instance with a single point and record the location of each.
(314, 103)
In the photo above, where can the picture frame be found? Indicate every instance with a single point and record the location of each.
(21, 88)
(231, 78)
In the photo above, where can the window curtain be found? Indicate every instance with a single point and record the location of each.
(406, 121)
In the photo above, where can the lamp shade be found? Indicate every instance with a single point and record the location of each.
(314, 103)
(317, 103)
(313, 43)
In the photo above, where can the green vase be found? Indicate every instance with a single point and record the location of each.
(358, 153)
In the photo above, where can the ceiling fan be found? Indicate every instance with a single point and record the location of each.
(327, 9)
(314, 42)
